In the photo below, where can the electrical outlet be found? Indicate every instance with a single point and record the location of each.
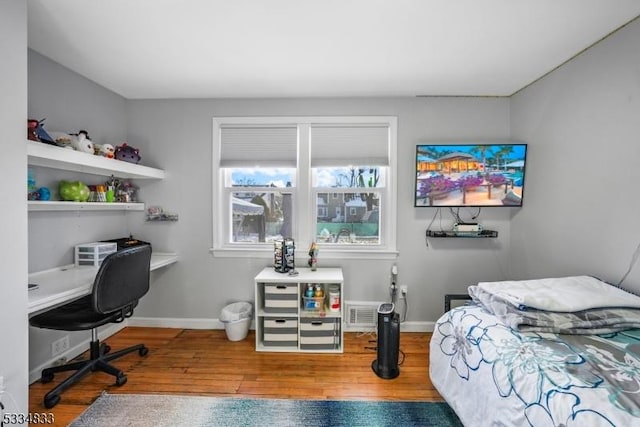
(404, 290)
(60, 346)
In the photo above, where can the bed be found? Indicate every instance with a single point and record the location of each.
(541, 355)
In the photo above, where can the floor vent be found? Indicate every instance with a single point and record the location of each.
(361, 314)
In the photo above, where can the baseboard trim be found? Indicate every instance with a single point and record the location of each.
(417, 326)
(178, 323)
(75, 351)
(181, 323)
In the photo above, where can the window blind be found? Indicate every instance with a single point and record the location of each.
(344, 145)
(252, 146)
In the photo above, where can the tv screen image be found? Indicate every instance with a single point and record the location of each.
(470, 175)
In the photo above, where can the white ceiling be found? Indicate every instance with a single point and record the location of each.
(297, 48)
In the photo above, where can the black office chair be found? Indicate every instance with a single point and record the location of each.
(122, 279)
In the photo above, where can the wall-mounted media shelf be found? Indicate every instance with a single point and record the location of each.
(50, 156)
(453, 234)
(82, 206)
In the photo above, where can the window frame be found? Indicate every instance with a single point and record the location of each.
(305, 208)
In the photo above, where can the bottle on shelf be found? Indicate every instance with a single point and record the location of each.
(309, 292)
(334, 298)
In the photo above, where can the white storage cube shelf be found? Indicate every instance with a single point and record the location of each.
(286, 321)
(92, 254)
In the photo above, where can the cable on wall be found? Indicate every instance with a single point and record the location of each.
(437, 212)
(634, 259)
(477, 214)
(455, 213)
(406, 309)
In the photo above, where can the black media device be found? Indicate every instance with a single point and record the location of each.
(127, 242)
(386, 365)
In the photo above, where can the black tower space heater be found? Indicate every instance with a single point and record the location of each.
(386, 365)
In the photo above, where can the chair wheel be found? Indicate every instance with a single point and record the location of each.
(121, 380)
(51, 401)
(46, 378)
(105, 348)
(143, 351)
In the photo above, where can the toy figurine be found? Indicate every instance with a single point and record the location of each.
(44, 193)
(127, 153)
(313, 256)
(105, 150)
(36, 132)
(82, 142)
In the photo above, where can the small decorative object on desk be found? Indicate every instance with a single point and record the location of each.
(156, 213)
(313, 256)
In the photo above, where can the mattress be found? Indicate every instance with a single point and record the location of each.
(494, 375)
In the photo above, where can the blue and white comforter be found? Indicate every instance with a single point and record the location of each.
(493, 375)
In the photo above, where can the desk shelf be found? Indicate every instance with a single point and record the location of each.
(63, 284)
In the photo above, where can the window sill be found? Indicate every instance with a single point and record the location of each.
(331, 254)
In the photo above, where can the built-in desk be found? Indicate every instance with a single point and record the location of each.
(63, 284)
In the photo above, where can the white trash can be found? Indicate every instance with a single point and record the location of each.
(236, 318)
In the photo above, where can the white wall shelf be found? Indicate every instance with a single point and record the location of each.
(50, 156)
(82, 206)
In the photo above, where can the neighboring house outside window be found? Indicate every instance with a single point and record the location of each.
(272, 173)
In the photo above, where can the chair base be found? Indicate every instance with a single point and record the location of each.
(100, 357)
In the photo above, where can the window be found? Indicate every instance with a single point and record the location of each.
(316, 179)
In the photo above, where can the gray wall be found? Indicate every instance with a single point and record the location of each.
(177, 135)
(583, 124)
(13, 205)
(69, 102)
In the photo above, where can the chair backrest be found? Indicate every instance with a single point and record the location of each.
(123, 278)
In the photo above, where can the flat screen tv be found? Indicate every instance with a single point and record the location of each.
(470, 175)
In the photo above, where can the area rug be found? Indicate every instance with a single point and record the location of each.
(163, 410)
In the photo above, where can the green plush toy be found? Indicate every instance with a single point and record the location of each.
(75, 191)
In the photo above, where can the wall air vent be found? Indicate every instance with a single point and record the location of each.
(361, 314)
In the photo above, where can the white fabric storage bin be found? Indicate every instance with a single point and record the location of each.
(281, 331)
(281, 298)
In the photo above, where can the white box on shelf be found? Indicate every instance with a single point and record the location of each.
(92, 254)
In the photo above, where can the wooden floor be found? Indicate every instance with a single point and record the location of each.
(204, 362)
